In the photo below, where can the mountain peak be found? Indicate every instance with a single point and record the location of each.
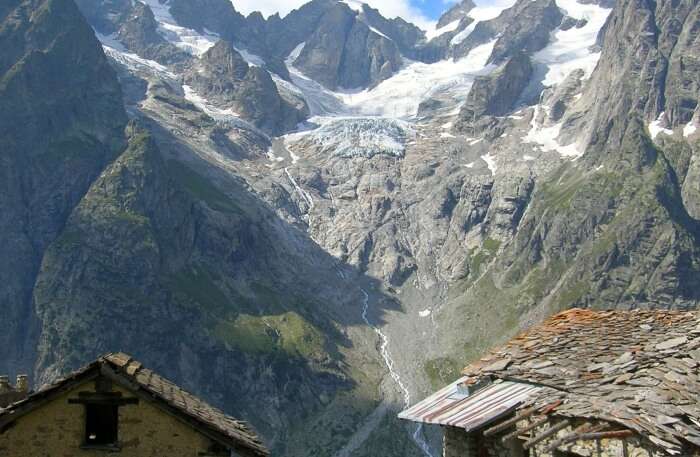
(456, 13)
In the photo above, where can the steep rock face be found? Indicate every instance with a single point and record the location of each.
(530, 32)
(345, 52)
(525, 27)
(139, 33)
(456, 13)
(495, 94)
(404, 34)
(636, 73)
(218, 16)
(618, 227)
(54, 80)
(224, 77)
(104, 15)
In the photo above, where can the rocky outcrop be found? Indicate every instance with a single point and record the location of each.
(227, 80)
(404, 34)
(495, 94)
(458, 12)
(138, 32)
(344, 52)
(218, 16)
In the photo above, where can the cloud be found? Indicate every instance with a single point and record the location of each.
(388, 8)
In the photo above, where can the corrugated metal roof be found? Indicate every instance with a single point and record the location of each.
(453, 406)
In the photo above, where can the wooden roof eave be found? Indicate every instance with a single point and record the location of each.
(205, 429)
(40, 398)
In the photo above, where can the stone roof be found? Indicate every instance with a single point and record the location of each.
(132, 375)
(637, 368)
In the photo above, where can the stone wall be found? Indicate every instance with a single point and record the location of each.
(628, 447)
(458, 443)
(57, 429)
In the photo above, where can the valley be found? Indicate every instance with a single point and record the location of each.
(315, 220)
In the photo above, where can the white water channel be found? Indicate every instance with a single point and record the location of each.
(389, 362)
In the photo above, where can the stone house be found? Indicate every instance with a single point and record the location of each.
(584, 383)
(115, 405)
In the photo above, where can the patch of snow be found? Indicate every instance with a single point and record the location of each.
(463, 35)
(283, 85)
(436, 32)
(378, 32)
(186, 39)
(321, 101)
(446, 135)
(251, 58)
(447, 125)
(354, 5)
(571, 49)
(425, 312)
(516, 117)
(491, 162)
(528, 158)
(480, 14)
(470, 165)
(475, 141)
(204, 105)
(546, 137)
(659, 126)
(273, 158)
(400, 95)
(689, 129)
(296, 52)
(114, 49)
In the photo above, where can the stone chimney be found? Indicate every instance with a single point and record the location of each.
(22, 383)
(5, 386)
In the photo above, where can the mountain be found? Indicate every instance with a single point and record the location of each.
(222, 74)
(314, 220)
(59, 128)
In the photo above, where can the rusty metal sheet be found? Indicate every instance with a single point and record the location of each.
(455, 407)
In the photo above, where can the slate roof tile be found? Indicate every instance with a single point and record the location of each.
(636, 368)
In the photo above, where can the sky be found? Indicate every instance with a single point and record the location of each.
(423, 13)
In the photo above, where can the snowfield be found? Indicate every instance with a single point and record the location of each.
(659, 126)
(546, 138)
(400, 96)
(571, 49)
(378, 120)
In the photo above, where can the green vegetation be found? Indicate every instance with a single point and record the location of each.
(571, 295)
(69, 239)
(483, 256)
(288, 332)
(560, 190)
(200, 188)
(197, 285)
